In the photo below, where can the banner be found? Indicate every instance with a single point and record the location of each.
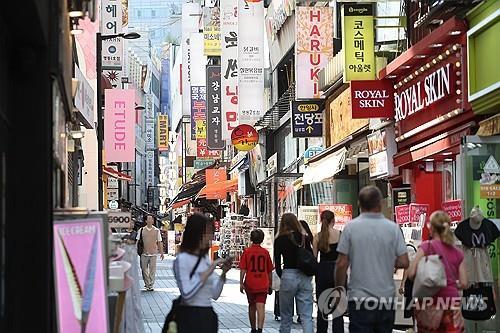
(211, 31)
(198, 109)
(419, 213)
(229, 64)
(358, 42)
(150, 168)
(343, 212)
(454, 209)
(313, 49)
(150, 134)
(310, 214)
(372, 99)
(162, 132)
(84, 100)
(250, 60)
(190, 18)
(307, 119)
(214, 123)
(214, 176)
(80, 276)
(119, 125)
(402, 214)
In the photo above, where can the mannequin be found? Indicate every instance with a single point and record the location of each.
(476, 233)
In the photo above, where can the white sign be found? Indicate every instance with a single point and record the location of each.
(112, 193)
(171, 242)
(198, 60)
(268, 242)
(150, 171)
(150, 134)
(149, 106)
(250, 61)
(191, 14)
(310, 214)
(120, 220)
(113, 204)
(112, 182)
(229, 66)
(84, 99)
(378, 164)
(272, 165)
(111, 24)
(163, 185)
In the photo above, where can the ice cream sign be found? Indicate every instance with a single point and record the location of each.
(490, 179)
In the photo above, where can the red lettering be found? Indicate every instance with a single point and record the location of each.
(315, 58)
(316, 88)
(314, 74)
(315, 31)
(315, 45)
(313, 15)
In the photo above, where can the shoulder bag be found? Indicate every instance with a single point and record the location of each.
(140, 244)
(306, 261)
(431, 275)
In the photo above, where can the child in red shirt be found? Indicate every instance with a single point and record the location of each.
(255, 279)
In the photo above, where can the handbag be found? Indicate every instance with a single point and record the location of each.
(275, 285)
(306, 261)
(478, 302)
(140, 244)
(170, 325)
(430, 277)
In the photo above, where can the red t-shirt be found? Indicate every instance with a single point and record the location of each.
(257, 262)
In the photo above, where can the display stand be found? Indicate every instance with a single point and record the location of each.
(235, 236)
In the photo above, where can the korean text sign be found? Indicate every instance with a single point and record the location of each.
(229, 64)
(313, 48)
(307, 118)
(198, 110)
(211, 31)
(358, 42)
(119, 125)
(372, 99)
(343, 212)
(214, 115)
(402, 214)
(80, 276)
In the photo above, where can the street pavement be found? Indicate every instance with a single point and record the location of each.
(231, 306)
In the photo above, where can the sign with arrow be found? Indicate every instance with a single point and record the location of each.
(307, 118)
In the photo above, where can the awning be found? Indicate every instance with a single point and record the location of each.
(490, 126)
(179, 204)
(116, 174)
(188, 192)
(219, 190)
(325, 168)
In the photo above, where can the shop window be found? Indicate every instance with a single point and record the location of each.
(449, 181)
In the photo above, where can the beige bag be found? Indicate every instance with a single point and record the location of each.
(430, 277)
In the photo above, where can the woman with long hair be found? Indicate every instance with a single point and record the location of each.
(294, 283)
(437, 317)
(325, 247)
(195, 277)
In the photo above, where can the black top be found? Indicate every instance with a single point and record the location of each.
(330, 255)
(484, 236)
(283, 246)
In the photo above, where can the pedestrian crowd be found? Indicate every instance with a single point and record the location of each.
(353, 270)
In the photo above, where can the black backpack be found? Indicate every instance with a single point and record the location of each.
(140, 244)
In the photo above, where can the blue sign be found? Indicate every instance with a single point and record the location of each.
(311, 152)
(307, 118)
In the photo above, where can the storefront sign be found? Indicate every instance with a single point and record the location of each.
(122, 220)
(111, 24)
(310, 214)
(311, 152)
(202, 150)
(454, 209)
(171, 242)
(198, 109)
(244, 137)
(401, 196)
(202, 164)
(307, 119)
(268, 242)
(162, 132)
(163, 185)
(211, 31)
(214, 176)
(272, 165)
(343, 212)
(150, 134)
(250, 60)
(229, 66)
(358, 42)
(190, 18)
(490, 179)
(119, 125)
(214, 119)
(80, 276)
(427, 91)
(377, 151)
(84, 99)
(372, 99)
(112, 194)
(402, 214)
(313, 49)
(419, 213)
(150, 168)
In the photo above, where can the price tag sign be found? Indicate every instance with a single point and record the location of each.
(120, 220)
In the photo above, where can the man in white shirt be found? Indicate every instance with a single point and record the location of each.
(153, 245)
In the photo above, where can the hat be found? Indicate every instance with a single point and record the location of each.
(476, 218)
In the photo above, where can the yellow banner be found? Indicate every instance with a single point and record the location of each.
(201, 129)
(358, 42)
(162, 132)
(211, 31)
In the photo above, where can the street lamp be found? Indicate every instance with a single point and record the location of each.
(100, 115)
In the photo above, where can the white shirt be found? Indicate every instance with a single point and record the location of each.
(193, 291)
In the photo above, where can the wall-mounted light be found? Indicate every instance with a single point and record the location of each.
(77, 134)
(75, 28)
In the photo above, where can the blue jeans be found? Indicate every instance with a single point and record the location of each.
(370, 321)
(295, 284)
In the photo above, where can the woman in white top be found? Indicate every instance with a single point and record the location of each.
(195, 277)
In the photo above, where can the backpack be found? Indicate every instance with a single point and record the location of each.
(140, 244)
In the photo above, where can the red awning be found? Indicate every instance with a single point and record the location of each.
(179, 204)
(116, 174)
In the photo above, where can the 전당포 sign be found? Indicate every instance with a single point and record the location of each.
(307, 119)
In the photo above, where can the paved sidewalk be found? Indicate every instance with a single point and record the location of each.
(231, 306)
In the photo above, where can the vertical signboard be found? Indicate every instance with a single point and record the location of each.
(112, 49)
(214, 176)
(307, 119)
(358, 42)
(150, 134)
(211, 31)
(162, 132)
(80, 276)
(250, 60)
(150, 171)
(198, 109)
(198, 82)
(214, 123)
(119, 125)
(190, 19)
(229, 64)
(313, 48)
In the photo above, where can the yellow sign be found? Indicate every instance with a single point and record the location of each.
(211, 31)
(201, 129)
(162, 132)
(358, 42)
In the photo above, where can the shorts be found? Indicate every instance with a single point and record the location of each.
(254, 298)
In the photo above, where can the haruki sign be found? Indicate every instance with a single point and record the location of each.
(372, 99)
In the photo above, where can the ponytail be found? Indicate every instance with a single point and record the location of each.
(440, 222)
